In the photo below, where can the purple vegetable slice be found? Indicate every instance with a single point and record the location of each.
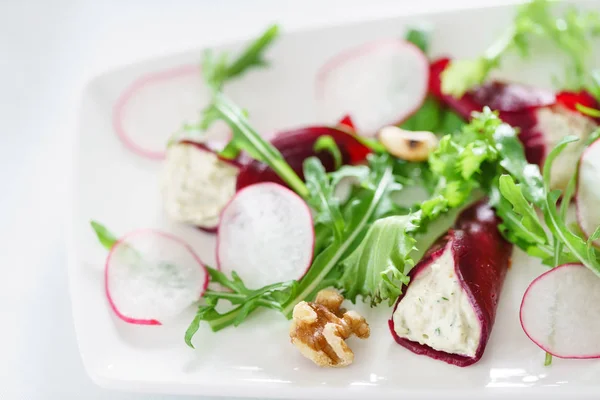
(298, 145)
(448, 309)
(543, 118)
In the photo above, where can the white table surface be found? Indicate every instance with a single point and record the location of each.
(48, 50)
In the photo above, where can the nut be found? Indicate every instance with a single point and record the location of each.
(320, 329)
(408, 145)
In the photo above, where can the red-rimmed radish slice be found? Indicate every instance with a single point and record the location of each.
(379, 83)
(266, 235)
(587, 200)
(156, 106)
(152, 276)
(560, 312)
(196, 184)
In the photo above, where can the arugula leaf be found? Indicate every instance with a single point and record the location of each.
(327, 143)
(362, 210)
(246, 301)
(105, 237)
(419, 36)
(570, 33)
(217, 70)
(529, 221)
(321, 196)
(247, 139)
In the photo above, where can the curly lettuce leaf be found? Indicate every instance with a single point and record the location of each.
(570, 33)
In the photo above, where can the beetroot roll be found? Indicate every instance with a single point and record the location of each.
(542, 117)
(448, 309)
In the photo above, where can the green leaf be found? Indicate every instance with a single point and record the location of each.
(450, 122)
(529, 221)
(217, 70)
(327, 143)
(105, 237)
(560, 146)
(427, 118)
(569, 33)
(375, 269)
(461, 75)
(363, 209)
(246, 302)
(590, 112)
(419, 36)
(247, 139)
(321, 196)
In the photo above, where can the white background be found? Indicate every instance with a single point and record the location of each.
(48, 50)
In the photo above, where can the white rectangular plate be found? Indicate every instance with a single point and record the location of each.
(120, 189)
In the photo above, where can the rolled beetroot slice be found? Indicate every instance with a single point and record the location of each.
(296, 146)
(518, 105)
(481, 258)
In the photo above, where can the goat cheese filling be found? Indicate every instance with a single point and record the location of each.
(196, 185)
(436, 311)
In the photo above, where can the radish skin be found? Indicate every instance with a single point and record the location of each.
(156, 105)
(125, 293)
(379, 83)
(560, 312)
(265, 235)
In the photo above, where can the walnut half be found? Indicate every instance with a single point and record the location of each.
(320, 329)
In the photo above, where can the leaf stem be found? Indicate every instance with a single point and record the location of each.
(266, 150)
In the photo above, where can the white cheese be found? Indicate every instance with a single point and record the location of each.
(555, 123)
(437, 312)
(196, 185)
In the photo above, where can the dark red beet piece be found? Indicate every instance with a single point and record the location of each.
(481, 259)
(296, 146)
(517, 105)
(571, 99)
(346, 123)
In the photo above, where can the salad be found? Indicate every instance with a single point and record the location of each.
(413, 196)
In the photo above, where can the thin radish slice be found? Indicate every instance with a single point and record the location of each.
(379, 83)
(265, 235)
(155, 106)
(560, 312)
(588, 190)
(151, 277)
